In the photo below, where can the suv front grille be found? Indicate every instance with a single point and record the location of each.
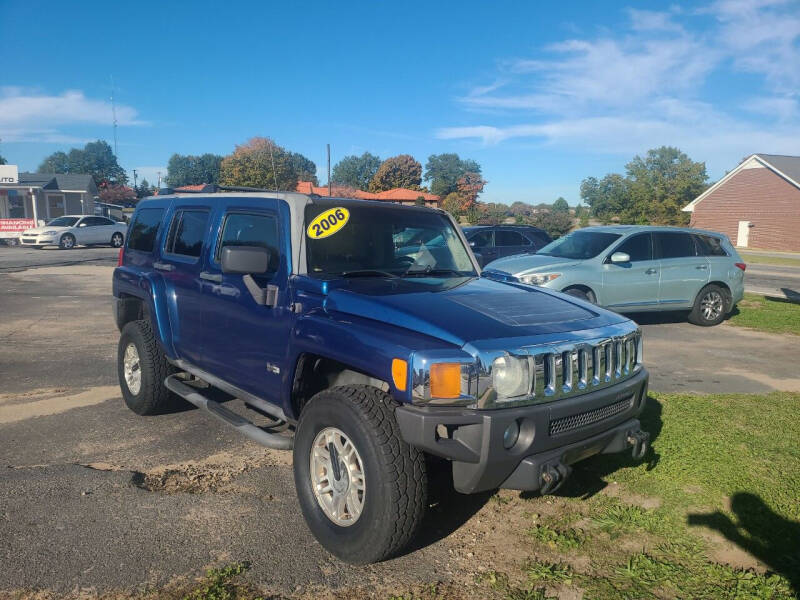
(590, 417)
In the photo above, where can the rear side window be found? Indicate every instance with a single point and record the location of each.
(144, 229)
(482, 239)
(187, 232)
(509, 238)
(708, 245)
(241, 229)
(675, 244)
(638, 247)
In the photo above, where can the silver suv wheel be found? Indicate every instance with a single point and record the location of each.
(337, 476)
(712, 305)
(132, 369)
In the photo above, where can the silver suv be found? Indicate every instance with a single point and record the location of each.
(629, 268)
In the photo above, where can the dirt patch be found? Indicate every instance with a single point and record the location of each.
(614, 490)
(10, 413)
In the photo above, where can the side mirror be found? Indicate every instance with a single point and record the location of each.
(245, 260)
(82, 225)
(620, 257)
(472, 244)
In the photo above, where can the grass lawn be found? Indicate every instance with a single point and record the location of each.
(721, 486)
(774, 315)
(770, 260)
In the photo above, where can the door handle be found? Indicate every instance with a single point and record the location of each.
(163, 266)
(651, 271)
(215, 277)
(701, 267)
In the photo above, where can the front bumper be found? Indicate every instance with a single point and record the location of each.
(39, 240)
(552, 436)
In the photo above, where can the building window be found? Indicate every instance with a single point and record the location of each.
(55, 206)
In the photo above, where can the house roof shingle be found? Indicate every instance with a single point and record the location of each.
(393, 195)
(788, 165)
(78, 182)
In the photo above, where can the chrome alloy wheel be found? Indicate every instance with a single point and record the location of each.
(337, 476)
(132, 369)
(116, 240)
(711, 305)
(68, 242)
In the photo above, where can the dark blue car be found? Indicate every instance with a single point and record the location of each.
(365, 334)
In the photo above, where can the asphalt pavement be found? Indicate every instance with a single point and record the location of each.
(15, 258)
(773, 280)
(95, 497)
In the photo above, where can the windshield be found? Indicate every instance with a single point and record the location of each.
(580, 244)
(388, 242)
(63, 222)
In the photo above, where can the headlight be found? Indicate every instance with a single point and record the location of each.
(538, 278)
(48, 233)
(510, 377)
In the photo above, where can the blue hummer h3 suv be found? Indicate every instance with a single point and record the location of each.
(366, 338)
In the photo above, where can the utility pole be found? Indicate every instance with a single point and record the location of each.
(134, 180)
(159, 179)
(328, 146)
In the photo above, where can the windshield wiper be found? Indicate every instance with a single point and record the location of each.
(429, 272)
(367, 273)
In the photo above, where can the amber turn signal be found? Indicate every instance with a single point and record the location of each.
(400, 374)
(445, 380)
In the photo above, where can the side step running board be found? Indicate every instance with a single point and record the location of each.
(245, 427)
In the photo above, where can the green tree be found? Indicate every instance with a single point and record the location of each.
(96, 159)
(304, 167)
(356, 171)
(452, 204)
(193, 170)
(2, 160)
(608, 198)
(654, 190)
(560, 205)
(444, 171)
(260, 163)
(661, 184)
(400, 171)
(144, 189)
(555, 223)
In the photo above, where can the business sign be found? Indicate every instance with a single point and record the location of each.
(16, 225)
(9, 174)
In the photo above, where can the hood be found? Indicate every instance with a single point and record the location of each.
(474, 309)
(528, 263)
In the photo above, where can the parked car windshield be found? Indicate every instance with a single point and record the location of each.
(63, 222)
(388, 242)
(580, 244)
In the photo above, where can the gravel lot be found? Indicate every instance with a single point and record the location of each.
(92, 496)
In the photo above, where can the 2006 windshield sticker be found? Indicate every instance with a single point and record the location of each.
(327, 223)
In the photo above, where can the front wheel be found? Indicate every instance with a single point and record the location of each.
(361, 488)
(67, 242)
(710, 306)
(585, 295)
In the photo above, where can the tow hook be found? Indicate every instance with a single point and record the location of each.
(640, 441)
(552, 477)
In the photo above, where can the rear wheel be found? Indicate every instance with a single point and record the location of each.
(361, 488)
(67, 242)
(117, 240)
(710, 306)
(142, 368)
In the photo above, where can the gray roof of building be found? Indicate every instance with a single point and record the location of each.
(60, 181)
(788, 165)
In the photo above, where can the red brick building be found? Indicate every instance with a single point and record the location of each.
(757, 205)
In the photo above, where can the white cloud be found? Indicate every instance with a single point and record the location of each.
(646, 86)
(30, 116)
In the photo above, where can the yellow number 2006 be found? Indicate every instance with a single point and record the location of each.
(328, 223)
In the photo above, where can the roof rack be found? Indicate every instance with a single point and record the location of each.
(213, 188)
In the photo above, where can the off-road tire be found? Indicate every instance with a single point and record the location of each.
(117, 240)
(153, 397)
(395, 481)
(65, 245)
(581, 294)
(697, 316)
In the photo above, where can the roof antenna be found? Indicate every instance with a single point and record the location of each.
(114, 115)
(272, 158)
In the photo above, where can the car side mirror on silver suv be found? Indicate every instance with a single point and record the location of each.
(249, 261)
(620, 257)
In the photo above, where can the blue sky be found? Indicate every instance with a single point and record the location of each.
(540, 94)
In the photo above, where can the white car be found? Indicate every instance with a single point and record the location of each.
(70, 230)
